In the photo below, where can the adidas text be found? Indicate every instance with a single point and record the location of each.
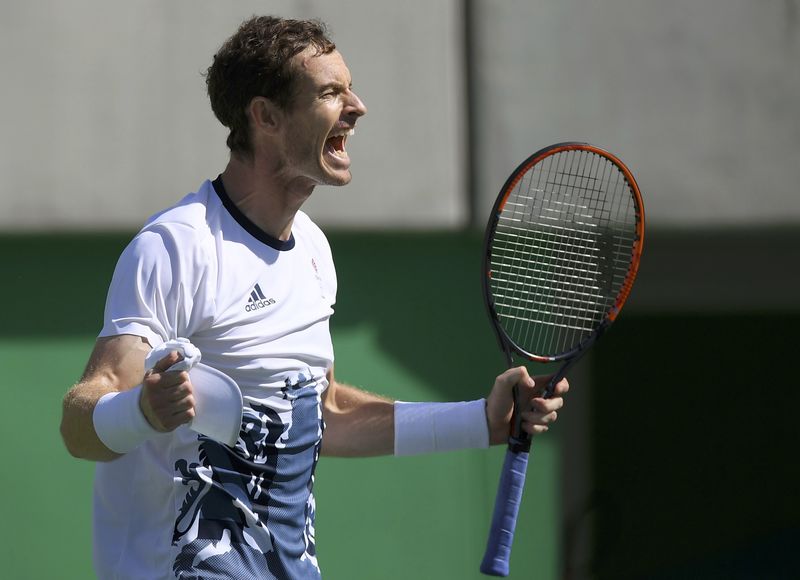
(256, 304)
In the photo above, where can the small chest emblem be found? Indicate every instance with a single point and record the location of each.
(257, 300)
(318, 277)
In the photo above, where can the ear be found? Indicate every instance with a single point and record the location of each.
(265, 116)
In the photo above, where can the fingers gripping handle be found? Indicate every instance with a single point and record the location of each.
(509, 495)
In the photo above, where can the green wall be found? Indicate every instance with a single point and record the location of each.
(409, 324)
(692, 429)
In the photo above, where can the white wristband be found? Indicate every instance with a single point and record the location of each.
(118, 418)
(428, 427)
(121, 426)
(119, 422)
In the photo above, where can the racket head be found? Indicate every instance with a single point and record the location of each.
(562, 250)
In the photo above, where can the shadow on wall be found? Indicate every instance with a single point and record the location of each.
(694, 448)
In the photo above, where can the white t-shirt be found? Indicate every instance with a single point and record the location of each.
(182, 505)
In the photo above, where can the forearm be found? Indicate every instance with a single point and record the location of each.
(360, 424)
(357, 423)
(77, 426)
(116, 364)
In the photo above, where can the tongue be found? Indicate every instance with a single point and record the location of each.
(336, 143)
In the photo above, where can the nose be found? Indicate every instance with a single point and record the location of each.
(355, 105)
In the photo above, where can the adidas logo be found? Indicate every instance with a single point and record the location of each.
(258, 300)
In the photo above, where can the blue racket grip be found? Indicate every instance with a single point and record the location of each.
(504, 520)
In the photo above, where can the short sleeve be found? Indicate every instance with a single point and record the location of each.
(161, 287)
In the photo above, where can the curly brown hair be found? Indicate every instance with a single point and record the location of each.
(256, 62)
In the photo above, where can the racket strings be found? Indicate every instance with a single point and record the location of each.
(562, 250)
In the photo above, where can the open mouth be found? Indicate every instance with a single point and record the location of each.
(335, 144)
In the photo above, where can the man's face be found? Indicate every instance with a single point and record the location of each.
(319, 119)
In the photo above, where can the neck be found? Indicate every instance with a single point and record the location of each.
(260, 194)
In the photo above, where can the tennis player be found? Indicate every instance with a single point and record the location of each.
(217, 322)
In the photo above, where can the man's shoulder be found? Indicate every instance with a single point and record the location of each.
(303, 223)
(181, 233)
(189, 217)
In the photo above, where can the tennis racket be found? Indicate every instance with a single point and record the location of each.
(562, 249)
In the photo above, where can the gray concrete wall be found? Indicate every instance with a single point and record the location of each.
(105, 118)
(700, 97)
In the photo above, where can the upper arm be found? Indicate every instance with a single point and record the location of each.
(116, 364)
(163, 285)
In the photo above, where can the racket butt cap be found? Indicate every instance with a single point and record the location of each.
(494, 567)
